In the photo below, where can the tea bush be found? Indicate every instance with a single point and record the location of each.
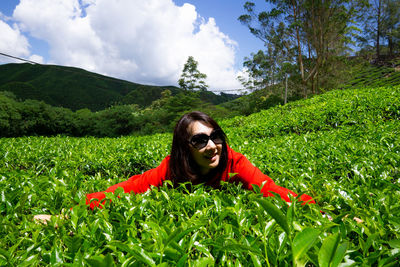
(342, 148)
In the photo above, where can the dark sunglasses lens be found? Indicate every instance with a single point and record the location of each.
(199, 141)
(217, 138)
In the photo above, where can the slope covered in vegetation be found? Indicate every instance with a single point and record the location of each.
(355, 72)
(32, 117)
(342, 148)
(381, 73)
(75, 88)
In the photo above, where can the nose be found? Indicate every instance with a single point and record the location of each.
(211, 144)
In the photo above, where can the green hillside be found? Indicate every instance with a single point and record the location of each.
(382, 73)
(76, 88)
(357, 73)
(32, 117)
(341, 147)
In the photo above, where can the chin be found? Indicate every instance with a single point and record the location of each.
(214, 164)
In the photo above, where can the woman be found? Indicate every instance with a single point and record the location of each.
(199, 154)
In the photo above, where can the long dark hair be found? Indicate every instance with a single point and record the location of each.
(182, 167)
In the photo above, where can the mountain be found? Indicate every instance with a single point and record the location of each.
(76, 88)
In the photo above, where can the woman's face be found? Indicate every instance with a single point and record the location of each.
(208, 157)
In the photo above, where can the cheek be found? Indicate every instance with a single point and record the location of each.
(195, 154)
(219, 147)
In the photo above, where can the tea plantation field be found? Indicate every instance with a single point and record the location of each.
(342, 148)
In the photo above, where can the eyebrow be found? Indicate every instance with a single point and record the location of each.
(197, 135)
(204, 133)
(200, 133)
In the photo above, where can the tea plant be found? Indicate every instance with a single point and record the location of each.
(375, 75)
(342, 148)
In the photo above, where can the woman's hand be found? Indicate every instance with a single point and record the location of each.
(42, 218)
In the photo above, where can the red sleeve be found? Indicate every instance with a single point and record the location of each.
(138, 183)
(248, 174)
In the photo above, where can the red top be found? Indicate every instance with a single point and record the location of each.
(244, 171)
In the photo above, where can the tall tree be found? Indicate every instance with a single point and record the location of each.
(372, 23)
(269, 67)
(391, 25)
(327, 29)
(319, 27)
(381, 24)
(191, 78)
(284, 15)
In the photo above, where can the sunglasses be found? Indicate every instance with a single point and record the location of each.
(200, 141)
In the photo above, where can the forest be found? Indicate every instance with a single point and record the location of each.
(311, 47)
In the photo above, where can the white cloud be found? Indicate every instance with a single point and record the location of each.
(141, 41)
(37, 59)
(12, 42)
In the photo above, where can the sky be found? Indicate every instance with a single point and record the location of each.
(142, 41)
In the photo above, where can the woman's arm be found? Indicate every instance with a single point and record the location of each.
(137, 184)
(248, 174)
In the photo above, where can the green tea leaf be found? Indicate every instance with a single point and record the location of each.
(4, 254)
(275, 213)
(55, 255)
(203, 262)
(179, 233)
(339, 255)
(303, 241)
(255, 260)
(328, 249)
(394, 243)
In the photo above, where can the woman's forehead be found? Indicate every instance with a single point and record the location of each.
(199, 127)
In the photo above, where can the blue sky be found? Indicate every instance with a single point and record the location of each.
(226, 13)
(141, 41)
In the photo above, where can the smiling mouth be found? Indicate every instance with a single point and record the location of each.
(212, 157)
